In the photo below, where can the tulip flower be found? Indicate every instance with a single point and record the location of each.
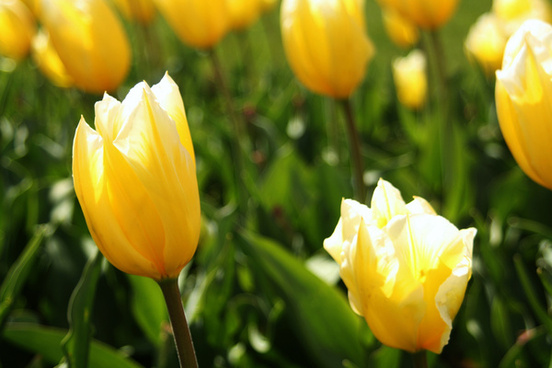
(426, 14)
(409, 74)
(243, 13)
(48, 61)
(399, 29)
(512, 13)
(405, 267)
(135, 180)
(17, 28)
(141, 11)
(485, 43)
(326, 44)
(198, 23)
(90, 41)
(523, 90)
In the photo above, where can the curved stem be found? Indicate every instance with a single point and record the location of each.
(181, 331)
(356, 155)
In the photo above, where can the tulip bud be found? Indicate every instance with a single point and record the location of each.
(17, 27)
(523, 90)
(409, 74)
(48, 61)
(135, 180)
(198, 23)
(400, 30)
(427, 14)
(243, 13)
(326, 44)
(485, 43)
(90, 41)
(405, 267)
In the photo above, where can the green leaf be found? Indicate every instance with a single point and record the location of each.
(332, 333)
(19, 271)
(148, 307)
(76, 343)
(46, 341)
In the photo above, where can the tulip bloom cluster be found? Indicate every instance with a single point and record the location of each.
(523, 90)
(405, 267)
(135, 180)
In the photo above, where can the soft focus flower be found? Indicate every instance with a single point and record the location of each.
(48, 61)
(523, 99)
(243, 13)
(409, 74)
(135, 180)
(512, 13)
(400, 30)
(406, 268)
(141, 11)
(427, 14)
(17, 27)
(90, 41)
(485, 42)
(326, 44)
(198, 23)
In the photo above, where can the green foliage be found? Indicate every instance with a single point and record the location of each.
(261, 291)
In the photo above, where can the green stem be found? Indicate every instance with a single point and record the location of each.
(356, 155)
(419, 359)
(180, 329)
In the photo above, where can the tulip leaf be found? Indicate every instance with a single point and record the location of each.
(321, 315)
(46, 341)
(76, 343)
(19, 272)
(148, 307)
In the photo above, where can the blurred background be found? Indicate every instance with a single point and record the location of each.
(261, 291)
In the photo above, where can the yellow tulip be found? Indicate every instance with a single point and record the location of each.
(400, 30)
(243, 13)
(141, 11)
(405, 267)
(17, 27)
(427, 14)
(48, 61)
(485, 43)
(198, 23)
(326, 44)
(135, 180)
(523, 94)
(90, 41)
(409, 74)
(512, 13)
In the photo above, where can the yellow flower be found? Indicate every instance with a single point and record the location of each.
(48, 61)
(406, 268)
(485, 43)
(198, 23)
(135, 180)
(409, 74)
(427, 14)
(17, 27)
(512, 13)
(90, 41)
(523, 94)
(142, 11)
(400, 30)
(326, 44)
(243, 13)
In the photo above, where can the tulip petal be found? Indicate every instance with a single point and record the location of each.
(386, 203)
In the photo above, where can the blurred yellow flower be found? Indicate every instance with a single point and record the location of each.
(512, 13)
(523, 102)
(485, 43)
(141, 11)
(427, 14)
(136, 183)
(326, 44)
(17, 27)
(90, 41)
(410, 76)
(198, 23)
(48, 61)
(243, 13)
(405, 267)
(399, 29)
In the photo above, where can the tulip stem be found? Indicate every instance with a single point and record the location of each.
(356, 154)
(420, 359)
(180, 329)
